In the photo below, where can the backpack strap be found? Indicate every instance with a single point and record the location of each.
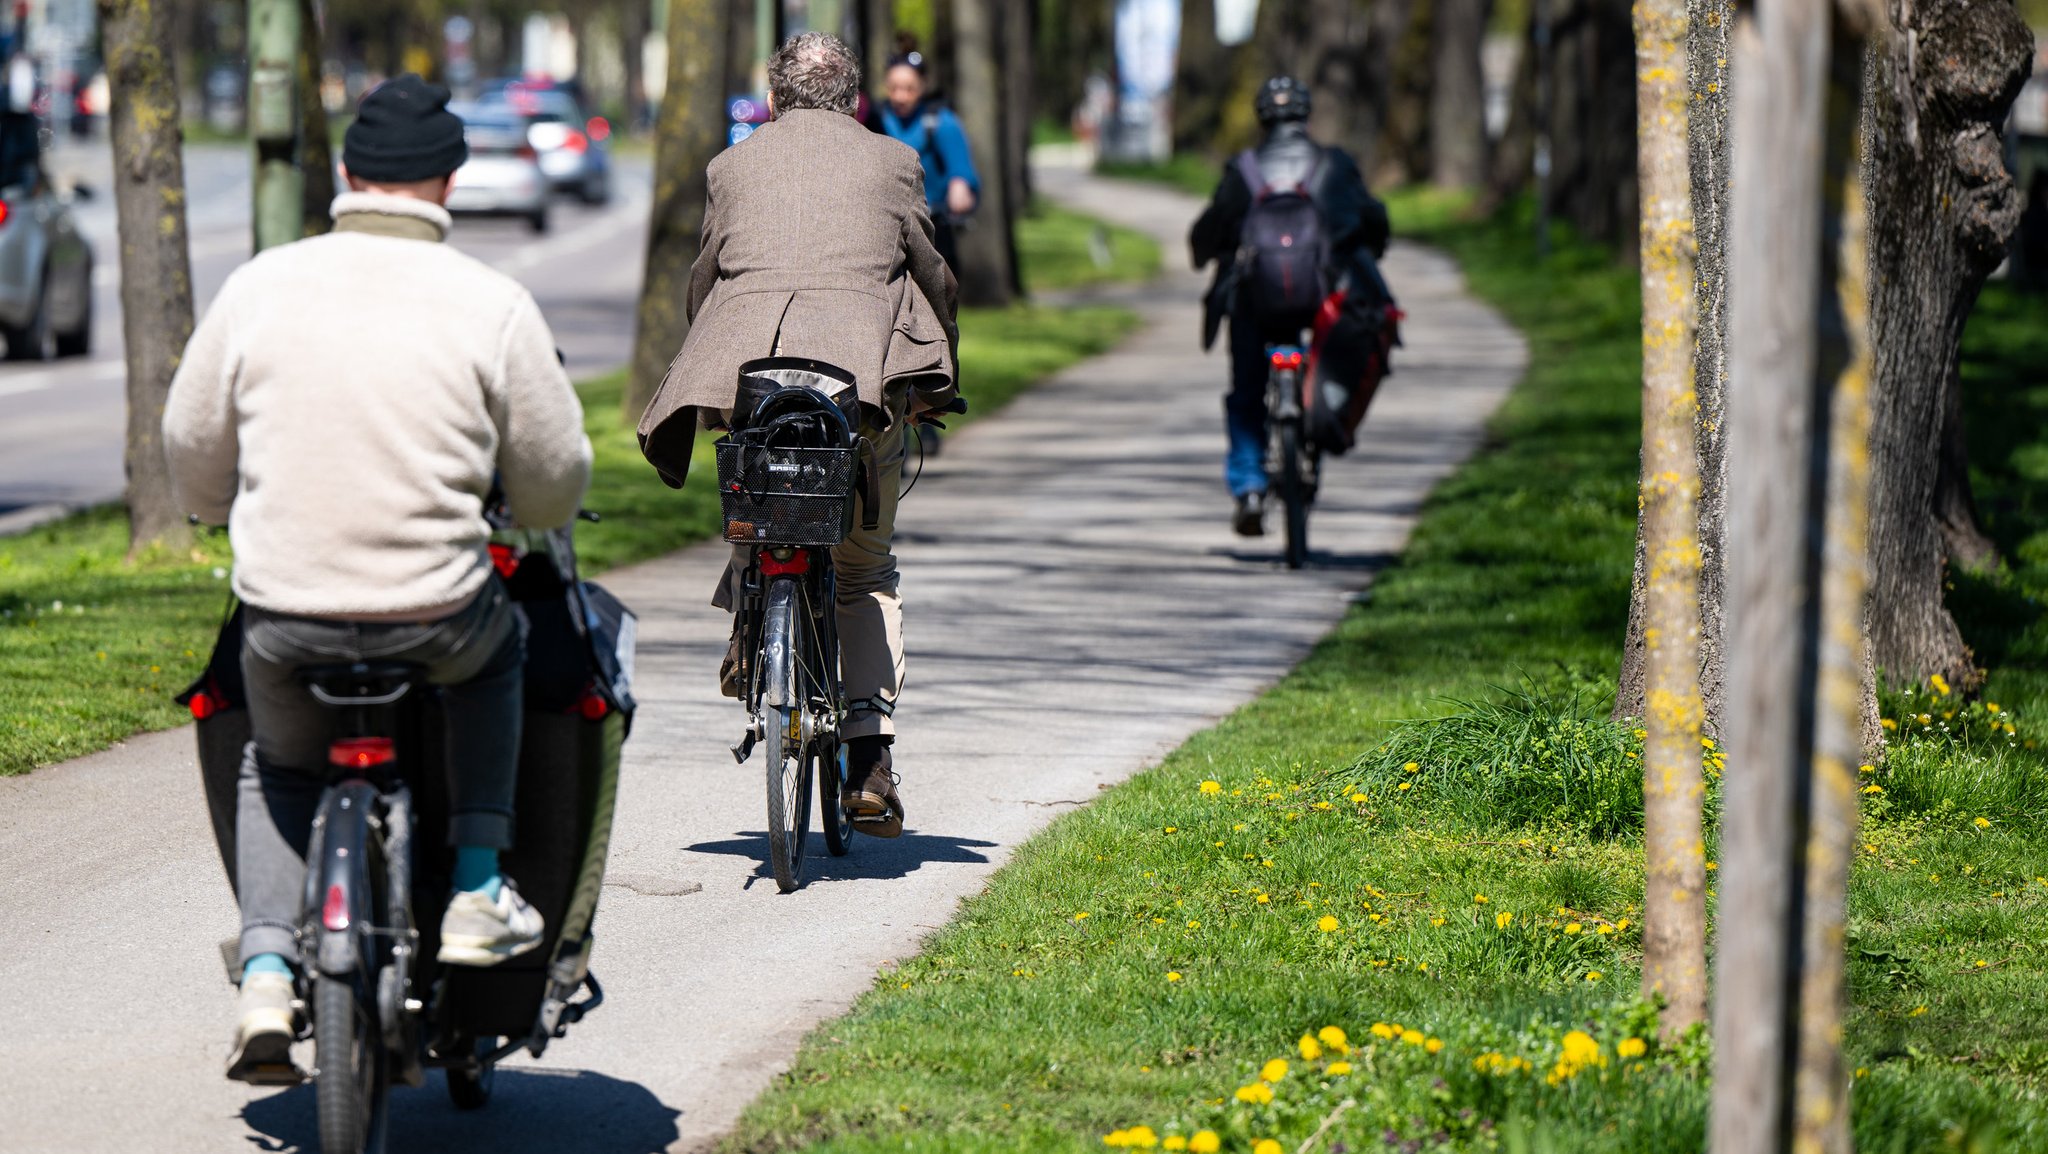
(931, 139)
(1247, 165)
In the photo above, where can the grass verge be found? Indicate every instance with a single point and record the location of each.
(92, 645)
(1422, 839)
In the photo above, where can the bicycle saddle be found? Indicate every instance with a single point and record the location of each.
(362, 682)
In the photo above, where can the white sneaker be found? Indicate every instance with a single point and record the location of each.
(263, 1035)
(477, 931)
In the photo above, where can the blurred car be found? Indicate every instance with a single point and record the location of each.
(502, 176)
(575, 149)
(45, 262)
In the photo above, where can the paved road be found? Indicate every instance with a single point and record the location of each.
(61, 424)
(1077, 608)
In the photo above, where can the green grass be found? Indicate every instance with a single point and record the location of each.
(1123, 969)
(92, 646)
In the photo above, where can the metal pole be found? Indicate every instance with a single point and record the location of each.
(280, 184)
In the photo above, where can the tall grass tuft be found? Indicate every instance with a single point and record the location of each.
(1534, 757)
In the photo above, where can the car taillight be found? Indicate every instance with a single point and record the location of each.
(576, 142)
(526, 152)
(599, 128)
(361, 752)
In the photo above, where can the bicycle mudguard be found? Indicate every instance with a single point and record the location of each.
(339, 893)
(778, 661)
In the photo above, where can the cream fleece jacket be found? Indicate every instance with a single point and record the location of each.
(343, 407)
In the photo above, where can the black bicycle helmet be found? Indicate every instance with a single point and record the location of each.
(1282, 98)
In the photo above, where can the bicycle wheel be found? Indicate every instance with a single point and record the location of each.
(786, 716)
(469, 1087)
(1294, 494)
(831, 770)
(348, 1051)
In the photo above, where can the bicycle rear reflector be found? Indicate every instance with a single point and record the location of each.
(593, 706)
(798, 562)
(361, 752)
(204, 705)
(1287, 358)
(334, 911)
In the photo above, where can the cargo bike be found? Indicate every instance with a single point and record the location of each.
(379, 1008)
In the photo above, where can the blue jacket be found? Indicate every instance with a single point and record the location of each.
(941, 144)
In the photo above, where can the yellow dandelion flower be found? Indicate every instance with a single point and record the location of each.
(1382, 1030)
(1258, 1093)
(1479, 899)
(1117, 1138)
(1334, 1038)
(1939, 683)
(1212, 787)
(1888, 723)
(1193, 924)
(1436, 921)
(1262, 899)
(1173, 1142)
(1594, 975)
(1412, 1037)
(1603, 930)
(1309, 1047)
(1404, 787)
(1917, 1011)
(1434, 1045)
(1267, 1146)
(1622, 924)
(1411, 767)
(1713, 865)
(1358, 797)
(1982, 823)
(1981, 963)
(1631, 1047)
(1204, 1142)
(1326, 923)
(1503, 920)
(1274, 1070)
(1082, 916)
(1866, 769)
(1991, 707)
(1873, 788)
(1339, 1069)
(1173, 975)
(1573, 927)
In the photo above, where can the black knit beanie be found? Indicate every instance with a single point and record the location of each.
(404, 132)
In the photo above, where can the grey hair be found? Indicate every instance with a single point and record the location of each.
(814, 70)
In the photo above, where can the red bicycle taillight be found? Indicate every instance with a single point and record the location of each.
(204, 705)
(361, 752)
(799, 562)
(1286, 358)
(505, 560)
(593, 706)
(334, 911)
(4, 213)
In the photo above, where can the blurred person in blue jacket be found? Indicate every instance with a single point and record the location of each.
(910, 113)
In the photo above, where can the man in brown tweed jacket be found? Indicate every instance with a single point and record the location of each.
(817, 243)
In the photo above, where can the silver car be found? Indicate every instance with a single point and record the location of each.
(45, 262)
(502, 176)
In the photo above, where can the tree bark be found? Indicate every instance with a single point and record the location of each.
(878, 26)
(1942, 210)
(688, 133)
(1020, 105)
(1401, 153)
(987, 268)
(1387, 23)
(1457, 97)
(156, 270)
(1592, 121)
(1707, 24)
(1674, 899)
(1512, 161)
(1201, 81)
(316, 144)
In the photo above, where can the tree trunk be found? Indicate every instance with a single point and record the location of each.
(987, 269)
(633, 22)
(1513, 159)
(156, 270)
(1402, 151)
(1020, 105)
(1201, 82)
(1335, 54)
(316, 144)
(942, 55)
(1457, 97)
(878, 34)
(687, 134)
(1386, 33)
(1592, 121)
(1674, 899)
(1942, 210)
(1707, 24)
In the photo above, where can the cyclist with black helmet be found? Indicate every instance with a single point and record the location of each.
(1349, 306)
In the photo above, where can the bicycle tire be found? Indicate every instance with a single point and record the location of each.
(348, 1053)
(470, 1087)
(1294, 495)
(784, 711)
(831, 771)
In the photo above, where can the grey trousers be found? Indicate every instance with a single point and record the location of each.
(475, 656)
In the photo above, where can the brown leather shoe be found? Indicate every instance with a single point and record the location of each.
(872, 805)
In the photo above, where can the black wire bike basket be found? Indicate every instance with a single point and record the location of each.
(772, 495)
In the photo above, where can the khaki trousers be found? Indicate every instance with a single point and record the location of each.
(870, 610)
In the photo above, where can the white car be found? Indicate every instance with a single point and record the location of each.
(502, 176)
(45, 262)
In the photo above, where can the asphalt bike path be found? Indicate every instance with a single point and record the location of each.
(1076, 608)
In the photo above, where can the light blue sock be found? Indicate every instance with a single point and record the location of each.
(266, 964)
(476, 869)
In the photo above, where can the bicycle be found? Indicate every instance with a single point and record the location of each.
(789, 476)
(1293, 461)
(381, 1008)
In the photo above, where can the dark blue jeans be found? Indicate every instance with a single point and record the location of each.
(1244, 407)
(477, 657)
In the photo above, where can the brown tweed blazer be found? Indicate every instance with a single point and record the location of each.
(816, 244)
